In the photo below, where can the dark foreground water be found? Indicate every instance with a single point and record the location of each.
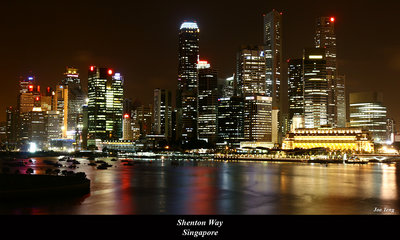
(197, 188)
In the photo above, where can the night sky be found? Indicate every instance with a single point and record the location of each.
(140, 40)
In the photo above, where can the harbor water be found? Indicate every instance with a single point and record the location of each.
(219, 187)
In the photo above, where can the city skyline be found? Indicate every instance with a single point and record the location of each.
(353, 59)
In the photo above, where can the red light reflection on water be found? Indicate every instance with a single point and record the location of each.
(203, 192)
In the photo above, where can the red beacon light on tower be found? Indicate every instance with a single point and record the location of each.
(110, 72)
(332, 19)
(126, 115)
(92, 68)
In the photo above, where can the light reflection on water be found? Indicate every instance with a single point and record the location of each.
(224, 188)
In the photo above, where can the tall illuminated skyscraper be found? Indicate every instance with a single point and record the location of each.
(273, 55)
(207, 103)
(186, 102)
(76, 99)
(295, 88)
(29, 91)
(325, 38)
(105, 106)
(315, 88)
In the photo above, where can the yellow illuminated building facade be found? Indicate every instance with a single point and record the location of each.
(342, 139)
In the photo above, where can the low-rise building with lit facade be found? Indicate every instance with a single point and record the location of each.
(335, 139)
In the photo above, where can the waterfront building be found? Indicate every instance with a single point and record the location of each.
(230, 122)
(315, 88)
(105, 105)
(207, 103)
(325, 38)
(250, 71)
(162, 115)
(258, 118)
(335, 139)
(295, 89)
(368, 111)
(186, 101)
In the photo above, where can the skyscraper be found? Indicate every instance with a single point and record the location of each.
(28, 93)
(315, 88)
(273, 55)
(105, 106)
(295, 88)
(230, 121)
(325, 38)
(258, 118)
(186, 102)
(61, 105)
(76, 99)
(341, 116)
(207, 103)
(250, 71)
(162, 112)
(368, 111)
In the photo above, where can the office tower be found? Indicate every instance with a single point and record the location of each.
(114, 105)
(76, 99)
(325, 38)
(295, 88)
(273, 55)
(186, 102)
(142, 121)
(61, 106)
(258, 118)
(230, 122)
(52, 125)
(162, 112)
(105, 105)
(127, 132)
(37, 127)
(207, 103)
(11, 127)
(315, 88)
(368, 111)
(341, 116)
(250, 71)
(28, 93)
